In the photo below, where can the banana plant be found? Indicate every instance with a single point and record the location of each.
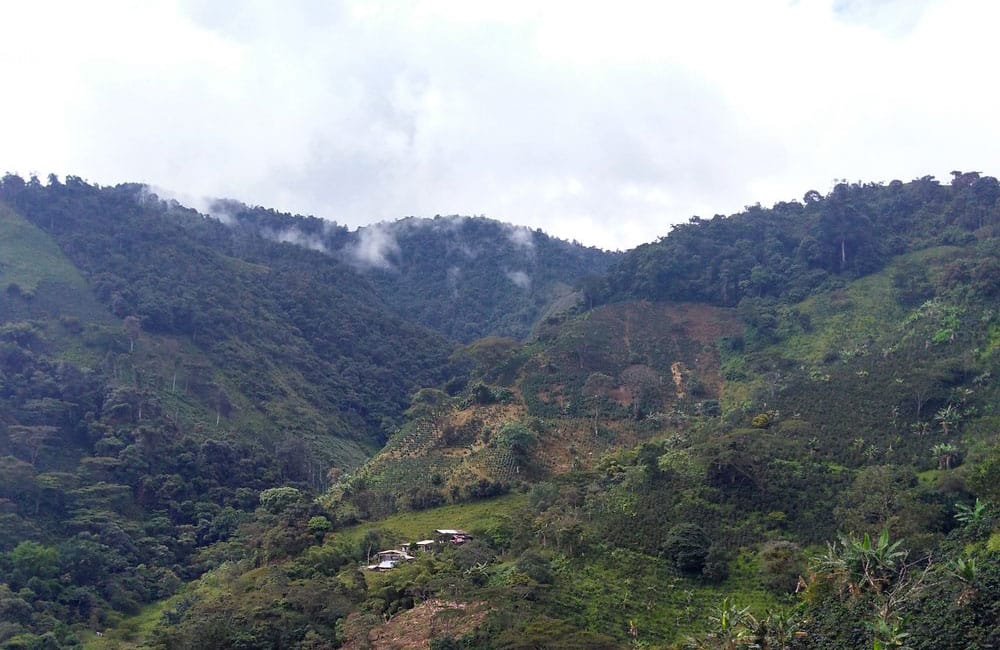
(970, 514)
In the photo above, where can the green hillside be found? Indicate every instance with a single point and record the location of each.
(777, 429)
(471, 277)
(465, 277)
(30, 257)
(157, 373)
(868, 405)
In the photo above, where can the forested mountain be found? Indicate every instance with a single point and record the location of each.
(472, 277)
(466, 277)
(794, 248)
(292, 330)
(160, 369)
(777, 429)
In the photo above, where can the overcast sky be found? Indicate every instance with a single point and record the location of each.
(603, 122)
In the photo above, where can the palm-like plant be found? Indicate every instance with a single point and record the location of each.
(946, 454)
(888, 635)
(965, 571)
(948, 417)
(732, 628)
(877, 570)
(777, 630)
(970, 515)
(862, 563)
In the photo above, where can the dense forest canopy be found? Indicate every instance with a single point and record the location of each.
(776, 429)
(466, 277)
(793, 248)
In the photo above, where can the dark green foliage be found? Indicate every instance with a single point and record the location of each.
(278, 319)
(792, 249)
(484, 395)
(171, 409)
(686, 545)
(466, 277)
(984, 480)
(885, 497)
(716, 567)
(473, 277)
(237, 365)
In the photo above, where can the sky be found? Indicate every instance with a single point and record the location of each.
(601, 122)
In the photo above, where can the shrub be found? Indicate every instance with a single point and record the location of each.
(686, 545)
(274, 500)
(781, 564)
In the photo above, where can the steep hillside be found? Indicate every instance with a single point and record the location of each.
(465, 277)
(794, 248)
(866, 408)
(472, 277)
(300, 336)
(678, 467)
(601, 381)
(776, 429)
(157, 372)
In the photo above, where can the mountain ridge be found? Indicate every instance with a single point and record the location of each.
(466, 277)
(675, 441)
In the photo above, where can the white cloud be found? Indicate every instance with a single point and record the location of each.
(521, 236)
(295, 236)
(520, 279)
(375, 247)
(599, 122)
(454, 277)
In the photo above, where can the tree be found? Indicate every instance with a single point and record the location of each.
(946, 455)
(31, 440)
(33, 560)
(686, 545)
(596, 390)
(319, 526)
(844, 225)
(132, 326)
(643, 385)
(519, 439)
(782, 563)
(875, 571)
(948, 417)
(275, 500)
(883, 497)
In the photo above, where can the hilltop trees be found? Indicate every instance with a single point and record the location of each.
(182, 421)
(791, 249)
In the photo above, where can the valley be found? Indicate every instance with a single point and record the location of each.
(773, 429)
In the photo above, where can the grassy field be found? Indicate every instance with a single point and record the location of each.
(410, 526)
(28, 256)
(840, 320)
(131, 632)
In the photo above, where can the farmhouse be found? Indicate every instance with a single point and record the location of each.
(389, 559)
(422, 546)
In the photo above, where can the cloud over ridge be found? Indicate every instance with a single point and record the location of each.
(595, 122)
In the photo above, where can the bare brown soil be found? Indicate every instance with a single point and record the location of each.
(415, 628)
